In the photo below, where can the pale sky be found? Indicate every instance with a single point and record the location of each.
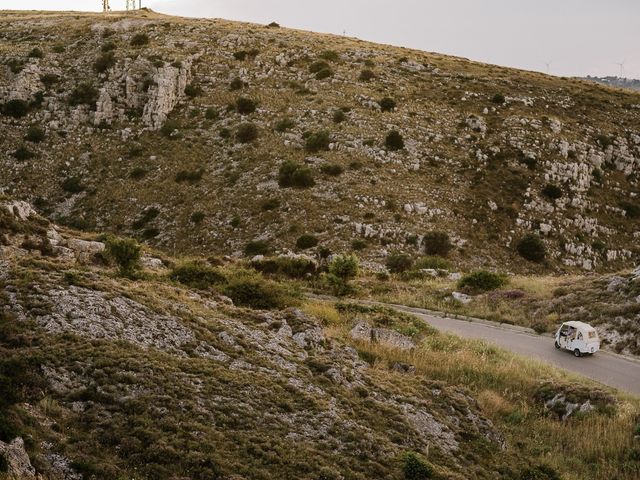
(577, 37)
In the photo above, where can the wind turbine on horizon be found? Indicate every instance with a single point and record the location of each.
(621, 65)
(548, 64)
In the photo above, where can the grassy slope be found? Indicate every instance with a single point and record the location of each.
(116, 410)
(432, 108)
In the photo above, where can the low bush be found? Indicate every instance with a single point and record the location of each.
(257, 293)
(35, 134)
(432, 263)
(329, 56)
(339, 116)
(332, 169)
(366, 75)
(15, 108)
(344, 267)
(139, 40)
(306, 242)
(190, 176)
(359, 244)
(198, 275)
(104, 62)
(169, 127)
(211, 114)
(324, 74)
(292, 267)
(295, 175)
(197, 217)
(394, 141)
(552, 192)
(532, 248)
(236, 84)
(284, 125)
(147, 216)
(482, 281)
(318, 66)
(631, 210)
(125, 252)
(437, 243)
(270, 204)
(246, 133)
(72, 185)
(257, 247)
(415, 468)
(83, 94)
(36, 53)
(317, 141)
(193, 90)
(49, 79)
(245, 106)
(22, 154)
(387, 104)
(539, 472)
(108, 47)
(399, 262)
(498, 98)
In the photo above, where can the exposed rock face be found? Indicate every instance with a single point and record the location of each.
(169, 84)
(25, 84)
(17, 459)
(363, 331)
(19, 209)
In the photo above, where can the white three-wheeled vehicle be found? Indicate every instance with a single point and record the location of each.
(578, 337)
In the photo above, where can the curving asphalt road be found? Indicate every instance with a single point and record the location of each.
(613, 370)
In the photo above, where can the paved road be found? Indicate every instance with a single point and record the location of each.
(612, 370)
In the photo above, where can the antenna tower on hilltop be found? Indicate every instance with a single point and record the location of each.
(131, 4)
(105, 6)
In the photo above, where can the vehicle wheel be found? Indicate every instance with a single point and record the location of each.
(577, 352)
(557, 345)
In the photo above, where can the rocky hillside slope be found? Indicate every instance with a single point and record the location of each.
(105, 377)
(205, 135)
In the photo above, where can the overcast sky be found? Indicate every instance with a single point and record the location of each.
(577, 37)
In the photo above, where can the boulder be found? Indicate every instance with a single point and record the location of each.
(363, 331)
(17, 459)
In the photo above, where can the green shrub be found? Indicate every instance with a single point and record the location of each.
(432, 263)
(295, 175)
(35, 134)
(4, 464)
(339, 116)
(399, 262)
(257, 293)
(366, 75)
(83, 94)
(169, 127)
(139, 39)
(15, 108)
(306, 241)
(332, 169)
(36, 53)
(415, 468)
(198, 275)
(257, 247)
(498, 98)
(22, 154)
(16, 66)
(318, 66)
(197, 217)
(329, 56)
(394, 141)
(358, 244)
(293, 267)
(344, 267)
(147, 216)
(245, 106)
(532, 248)
(236, 84)
(552, 192)
(240, 55)
(211, 114)
(284, 125)
(323, 74)
(270, 204)
(192, 90)
(632, 210)
(49, 79)
(540, 472)
(190, 176)
(317, 141)
(104, 62)
(108, 47)
(437, 243)
(387, 104)
(274, 25)
(246, 133)
(482, 281)
(125, 252)
(72, 185)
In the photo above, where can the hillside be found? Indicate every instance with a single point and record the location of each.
(201, 136)
(620, 82)
(105, 375)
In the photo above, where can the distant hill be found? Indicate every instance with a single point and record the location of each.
(201, 136)
(621, 82)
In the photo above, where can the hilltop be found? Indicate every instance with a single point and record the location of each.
(203, 136)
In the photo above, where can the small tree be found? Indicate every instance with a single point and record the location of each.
(387, 104)
(399, 262)
(344, 267)
(306, 241)
(125, 252)
(245, 106)
(247, 133)
(437, 243)
(394, 141)
(532, 248)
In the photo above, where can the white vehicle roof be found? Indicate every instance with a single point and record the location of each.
(585, 327)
